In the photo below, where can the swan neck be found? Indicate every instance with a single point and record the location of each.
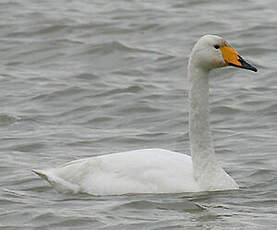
(203, 157)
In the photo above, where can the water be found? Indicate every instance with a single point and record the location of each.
(83, 78)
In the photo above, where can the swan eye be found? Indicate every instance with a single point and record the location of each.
(216, 46)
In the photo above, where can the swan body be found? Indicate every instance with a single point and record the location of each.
(159, 170)
(137, 171)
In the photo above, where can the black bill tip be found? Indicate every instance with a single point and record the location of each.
(244, 65)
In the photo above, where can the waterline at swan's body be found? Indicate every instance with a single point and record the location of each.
(138, 171)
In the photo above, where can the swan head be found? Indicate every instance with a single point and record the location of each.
(212, 51)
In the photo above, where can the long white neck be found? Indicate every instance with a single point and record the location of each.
(203, 156)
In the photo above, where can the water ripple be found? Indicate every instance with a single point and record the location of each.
(86, 78)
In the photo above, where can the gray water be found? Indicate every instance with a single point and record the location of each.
(83, 78)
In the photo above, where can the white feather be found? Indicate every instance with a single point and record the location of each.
(157, 170)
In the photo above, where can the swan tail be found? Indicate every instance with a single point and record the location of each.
(58, 183)
(40, 173)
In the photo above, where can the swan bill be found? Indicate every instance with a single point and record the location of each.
(232, 58)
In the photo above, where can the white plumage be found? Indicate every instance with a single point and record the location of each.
(159, 170)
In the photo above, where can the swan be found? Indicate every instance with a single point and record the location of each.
(159, 170)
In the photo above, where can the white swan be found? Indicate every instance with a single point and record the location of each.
(159, 170)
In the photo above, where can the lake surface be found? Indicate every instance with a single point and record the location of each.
(84, 78)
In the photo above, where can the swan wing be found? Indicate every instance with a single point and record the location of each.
(138, 171)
